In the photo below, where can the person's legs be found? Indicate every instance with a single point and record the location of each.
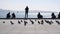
(25, 15)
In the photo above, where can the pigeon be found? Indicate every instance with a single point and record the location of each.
(49, 22)
(18, 22)
(25, 23)
(32, 21)
(58, 22)
(11, 22)
(3, 21)
(42, 22)
(21, 20)
(38, 22)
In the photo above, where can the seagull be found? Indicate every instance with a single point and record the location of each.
(18, 22)
(11, 22)
(58, 22)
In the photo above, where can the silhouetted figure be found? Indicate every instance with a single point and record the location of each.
(39, 16)
(18, 22)
(53, 16)
(49, 22)
(3, 21)
(58, 22)
(25, 23)
(59, 15)
(8, 15)
(11, 22)
(13, 16)
(26, 12)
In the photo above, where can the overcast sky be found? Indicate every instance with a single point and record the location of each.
(43, 5)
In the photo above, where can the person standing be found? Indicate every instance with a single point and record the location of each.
(59, 15)
(8, 15)
(26, 12)
(53, 16)
(13, 16)
(39, 16)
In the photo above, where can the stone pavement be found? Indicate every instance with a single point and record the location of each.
(7, 28)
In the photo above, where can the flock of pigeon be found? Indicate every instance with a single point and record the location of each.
(32, 22)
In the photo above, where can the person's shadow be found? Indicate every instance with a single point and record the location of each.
(26, 12)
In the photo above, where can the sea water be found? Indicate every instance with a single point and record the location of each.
(33, 14)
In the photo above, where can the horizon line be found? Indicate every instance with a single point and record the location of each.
(30, 10)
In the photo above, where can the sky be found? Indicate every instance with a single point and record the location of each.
(43, 5)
